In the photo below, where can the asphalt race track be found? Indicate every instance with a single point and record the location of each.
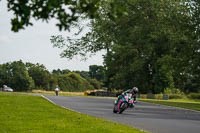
(149, 117)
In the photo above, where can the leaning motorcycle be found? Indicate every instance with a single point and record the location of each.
(122, 103)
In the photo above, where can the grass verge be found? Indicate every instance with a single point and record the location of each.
(182, 103)
(61, 93)
(32, 114)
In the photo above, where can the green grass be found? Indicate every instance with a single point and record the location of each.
(182, 103)
(20, 113)
(61, 93)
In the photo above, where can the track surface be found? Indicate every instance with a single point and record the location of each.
(149, 117)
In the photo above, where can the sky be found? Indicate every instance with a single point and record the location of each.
(33, 45)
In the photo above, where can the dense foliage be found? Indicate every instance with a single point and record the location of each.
(155, 46)
(16, 75)
(27, 76)
(67, 12)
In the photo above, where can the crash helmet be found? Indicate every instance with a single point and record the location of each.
(135, 90)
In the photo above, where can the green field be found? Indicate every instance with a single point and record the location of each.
(20, 113)
(182, 103)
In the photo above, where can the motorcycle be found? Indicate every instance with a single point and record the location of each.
(124, 102)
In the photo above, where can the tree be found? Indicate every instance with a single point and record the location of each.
(67, 12)
(84, 74)
(40, 75)
(151, 47)
(5, 75)
(58, 71)
(99, 38)
(16, 76)
(95, 83)
(21, 81)
(73, 82)
(94, 80)
(96, 72)
(159, 41)
(53, 82)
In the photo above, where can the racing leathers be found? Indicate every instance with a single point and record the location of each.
(130, 94)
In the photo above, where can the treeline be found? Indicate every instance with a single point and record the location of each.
(27, 76)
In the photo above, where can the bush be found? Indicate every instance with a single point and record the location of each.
(159, 96)
(194, 96)
(73, 82)
(144, 96)
(86, 93)
(150, 96)
(176, 96)
(96, 84)
(172, 91)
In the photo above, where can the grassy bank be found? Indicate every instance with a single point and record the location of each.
(182, 103)
(21, 113)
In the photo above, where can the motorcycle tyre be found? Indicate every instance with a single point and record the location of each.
(114, 109)
(123, 108)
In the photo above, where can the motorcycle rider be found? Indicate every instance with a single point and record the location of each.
(131, 93)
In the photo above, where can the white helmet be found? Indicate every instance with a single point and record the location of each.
(135, 89)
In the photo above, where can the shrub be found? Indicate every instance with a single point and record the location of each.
(73, 82)
(96, 84)
(194, 95)
(176, 96)
(86, 93)
(150, 96)
(159, 96)
(144, 96)
(172, 91)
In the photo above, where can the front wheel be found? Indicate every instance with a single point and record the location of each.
(123, 106)
(115, 109)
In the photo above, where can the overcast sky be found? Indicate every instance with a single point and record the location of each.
(33, 45)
